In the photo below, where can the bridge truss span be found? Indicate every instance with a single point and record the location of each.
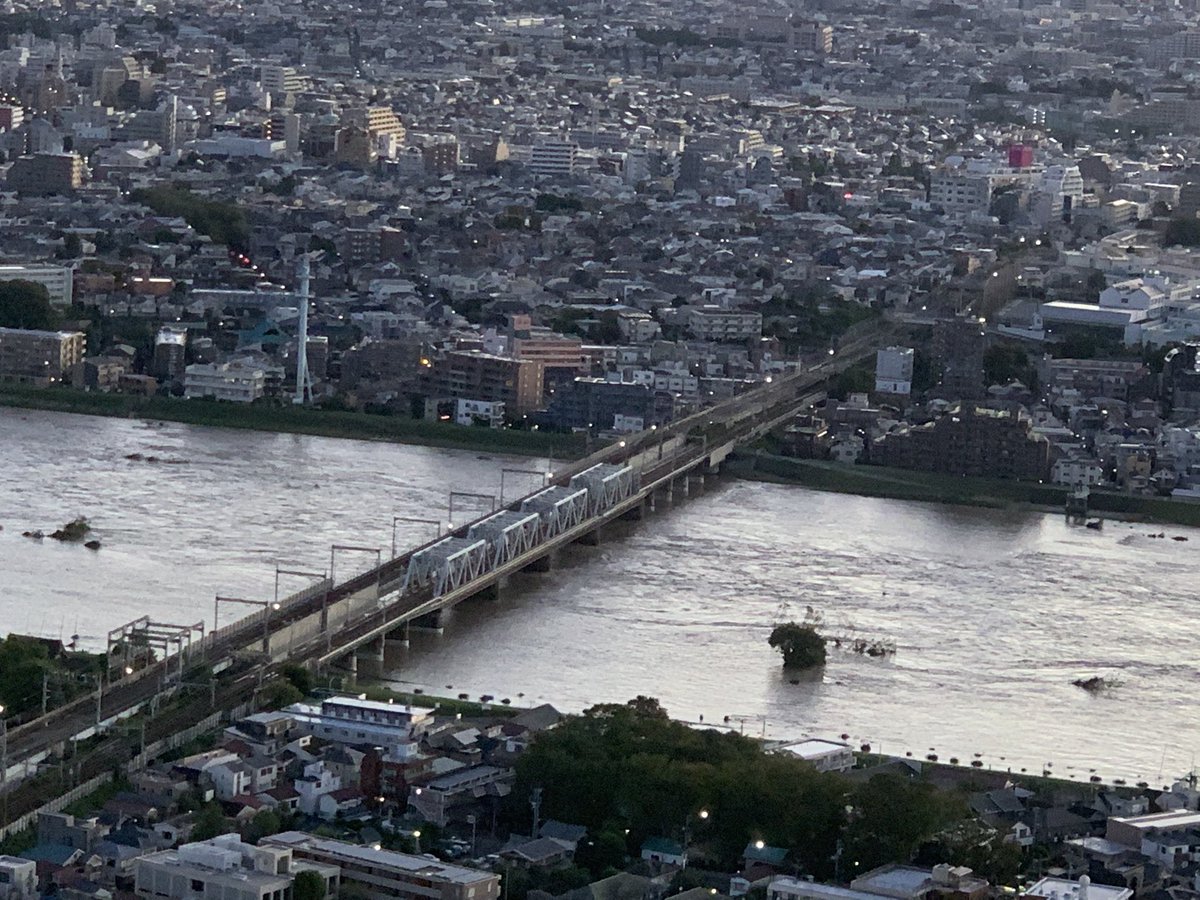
(559, 508)
(447, 565)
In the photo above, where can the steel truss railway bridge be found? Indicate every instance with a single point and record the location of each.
(330, 625)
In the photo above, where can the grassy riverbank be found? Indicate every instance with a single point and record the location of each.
(901, 484)
(295, 420)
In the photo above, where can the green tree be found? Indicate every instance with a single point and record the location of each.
(308, 886)
(225, 223)
(279, 694)
(1003, 363)
(265, 823)
(299, 677)
(1185, 232)
(601, 852)
(892, 817)
(22, 665)
(72, 247)
(800, 645)
(210, 822)
(24, 304)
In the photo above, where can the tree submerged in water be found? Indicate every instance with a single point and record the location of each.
(801, 646)
(75, 530)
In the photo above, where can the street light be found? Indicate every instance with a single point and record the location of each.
(437, 527)
(417, 840)
(265, 605)
(334, 548)
(319, 576)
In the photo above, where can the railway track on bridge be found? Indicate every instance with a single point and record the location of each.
(660, 453)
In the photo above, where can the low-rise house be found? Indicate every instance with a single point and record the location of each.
(540, 853)
(660, 851)
(824, 756)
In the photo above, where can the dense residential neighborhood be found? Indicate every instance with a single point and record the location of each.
(341, 796)
(599, 219)
(541, 227)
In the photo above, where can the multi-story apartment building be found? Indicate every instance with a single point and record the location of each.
(713, 323)
(282, 80)
(894, 370)
(235, 382)
(476, 375)
(354, 721)
(170, 352)
(223, 868)
(386, 874)
(968, 440)
(596, 404)
(18, 878)
(46, 173)
(40, 357)
(553, 158)
(377, 120)
(57, 280)
(436, 799)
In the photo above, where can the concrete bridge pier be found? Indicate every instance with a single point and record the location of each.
(543, 563)
(431, 621)
(592, 538)
(492, 591)
(399, 637)
(374, 650)
(370, 656)
(350, 666)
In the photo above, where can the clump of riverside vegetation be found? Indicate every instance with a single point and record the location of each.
(628, 773)
(800, 645)
(28, 665)
(75, 530)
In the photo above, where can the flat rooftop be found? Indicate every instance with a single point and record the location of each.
(425, 866)
(1163, 821)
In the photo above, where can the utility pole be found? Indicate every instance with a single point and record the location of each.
(535, 804)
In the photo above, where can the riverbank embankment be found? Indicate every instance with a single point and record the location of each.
(997, 493)
(296, 420)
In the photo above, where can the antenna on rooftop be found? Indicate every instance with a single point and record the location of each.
(303, 381)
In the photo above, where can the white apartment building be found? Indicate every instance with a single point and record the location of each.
(57, 280)
(1149, 292)
(894, 370)
(1077, 472)
(236, 382)
(223, 868)
(385, 874)
(1058, 194)
(638, 327)
(712, 323)
(281, 80)
(553, 158)
(468, 412)
(957, 190)
(350, 720)
(18, 878)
